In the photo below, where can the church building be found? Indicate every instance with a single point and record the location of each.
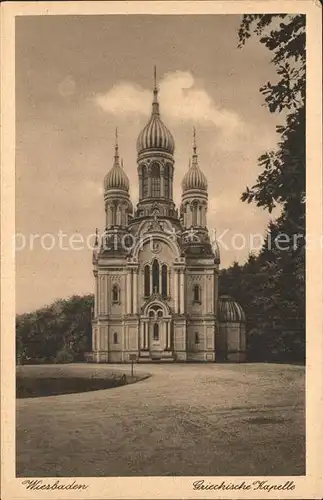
(156, 271)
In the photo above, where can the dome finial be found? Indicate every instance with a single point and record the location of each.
(194, 147)
(194, 177)
(116, 178)
(116, 148)
(155, 77)
(155, 100)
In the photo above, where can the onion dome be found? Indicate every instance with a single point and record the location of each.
(116, 178)
(229, 311)
(194, 177)
(155, 135)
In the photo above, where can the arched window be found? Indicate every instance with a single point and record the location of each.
(155, 276)
(194, 214)
(197, 293)
(115, 338)
(155, 181)
(112, 215)
(156, 331)
(199, 217)
(166, 181)
(144, 182)
(197, 338)
(164, 280)
(147, 281)
(115, 294)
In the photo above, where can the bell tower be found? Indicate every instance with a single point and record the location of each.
(155, 150)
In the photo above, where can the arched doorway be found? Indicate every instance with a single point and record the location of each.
(155, 331)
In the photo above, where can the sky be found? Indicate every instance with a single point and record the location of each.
(80, 77)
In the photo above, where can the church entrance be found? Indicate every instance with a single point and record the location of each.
(156, 338)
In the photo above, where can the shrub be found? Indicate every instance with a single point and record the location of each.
(64, 356)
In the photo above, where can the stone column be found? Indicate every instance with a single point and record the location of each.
(142, 336)
(148, 327)
(167, 335)
(162, 182)
(129, 286)
(151, 280)
(140, 183)
(96, 297)
(98, 334)
(205, 283)
(169, 293)
(106, 292)
(145, 335)
(94, 339)
(181, 288)
(135, 290)
(149, 182)
(176, 291)
(189, 217)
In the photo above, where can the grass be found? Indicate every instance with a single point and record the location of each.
(36, 382)
(199, 420)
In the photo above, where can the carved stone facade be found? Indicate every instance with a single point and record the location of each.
(156, 271)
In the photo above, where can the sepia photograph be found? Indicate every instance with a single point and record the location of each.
(160, 242)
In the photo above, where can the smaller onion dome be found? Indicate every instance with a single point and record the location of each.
(155, 134)
(116, 178)
(194, 177)
(229, 311)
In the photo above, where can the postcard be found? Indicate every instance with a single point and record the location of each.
(161, 247)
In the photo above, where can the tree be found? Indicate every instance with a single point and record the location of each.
(47, 334)
(274, 281)
(282, 180)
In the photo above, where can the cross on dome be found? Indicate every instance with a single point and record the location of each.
(116, 147)
(194, 177)
(116, 178)
(155, 135)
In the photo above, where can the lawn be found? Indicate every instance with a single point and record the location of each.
(37, 381)
(196, 419)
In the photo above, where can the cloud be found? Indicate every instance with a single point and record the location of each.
(182, 101)
(124, 100)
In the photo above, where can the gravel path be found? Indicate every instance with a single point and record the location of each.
(197, 419)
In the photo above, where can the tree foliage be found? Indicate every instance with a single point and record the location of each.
(282, 178)
(271, 286)
(56, 333)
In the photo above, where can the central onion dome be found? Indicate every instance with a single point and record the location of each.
(194, 177)
(229, 311)
(116, 178)
(155, 135)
